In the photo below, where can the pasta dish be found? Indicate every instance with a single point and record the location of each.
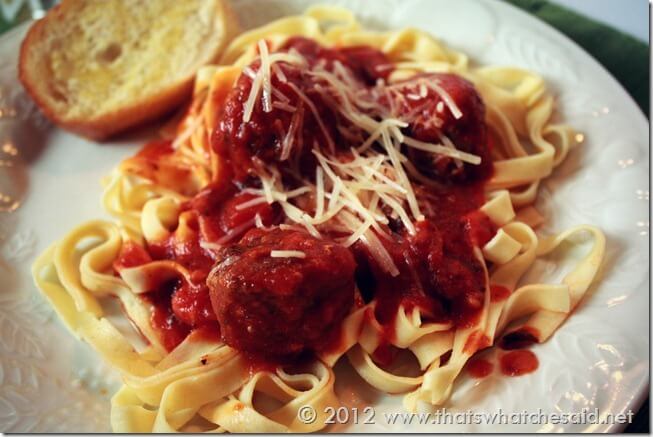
(331, 193)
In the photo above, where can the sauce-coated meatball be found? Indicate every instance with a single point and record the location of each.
(279, 307)
(433, 118)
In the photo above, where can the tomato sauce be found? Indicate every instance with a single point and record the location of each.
(172, 331)
(439, 272)
(498, 293)
(468, 132)
(479, 368)
(520, 339)
(156, 163)
(518, 363)
(444, 359)
(178, 307)
(385, 354)
(476, 342)
(131, 255)
(438, 269)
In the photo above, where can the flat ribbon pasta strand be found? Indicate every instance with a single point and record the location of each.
(125, 195)
(545, 322)
(73, 275)
(78, 269)
(508, 274)
(310, 389)
(519, 106)
(349, 334)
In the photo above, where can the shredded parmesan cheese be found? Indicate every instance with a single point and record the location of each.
(284, 106)
(296, 128)
(265, 72)
(287, 254)
(211, 247)
(319, 194)
(234, 233)
(443, 150)
(247, 71)
(253, 95)
(448, 100)
(279, 73)
(262, 80)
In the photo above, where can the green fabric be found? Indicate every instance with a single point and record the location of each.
(5, 25)
(625, 57)
(11, 17)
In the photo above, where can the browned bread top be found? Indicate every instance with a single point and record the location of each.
(99, 67)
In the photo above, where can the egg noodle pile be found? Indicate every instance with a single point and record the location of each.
(205, 385)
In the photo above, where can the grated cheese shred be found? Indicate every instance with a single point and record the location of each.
(265, 72)
(287, 254)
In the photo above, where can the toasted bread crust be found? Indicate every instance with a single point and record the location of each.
(137, 112)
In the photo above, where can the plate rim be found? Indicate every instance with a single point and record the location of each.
(637, 401)
(642, 393)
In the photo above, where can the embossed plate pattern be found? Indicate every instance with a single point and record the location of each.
(49, 182)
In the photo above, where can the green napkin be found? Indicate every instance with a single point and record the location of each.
(14, 12)
(625, 57)
(7, 22)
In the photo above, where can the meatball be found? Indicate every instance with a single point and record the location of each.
(279, 307)
(267, 133)
(431, 117)
(263, 137)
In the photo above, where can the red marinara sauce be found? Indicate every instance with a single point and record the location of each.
(519, 339)
(131, 255)
(439, 271)
(498, 293)
(476, 341)
(518, 363)
(479, 368)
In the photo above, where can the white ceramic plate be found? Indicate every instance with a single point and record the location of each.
(598, 359)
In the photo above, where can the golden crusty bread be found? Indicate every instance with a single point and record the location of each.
(99, 67)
